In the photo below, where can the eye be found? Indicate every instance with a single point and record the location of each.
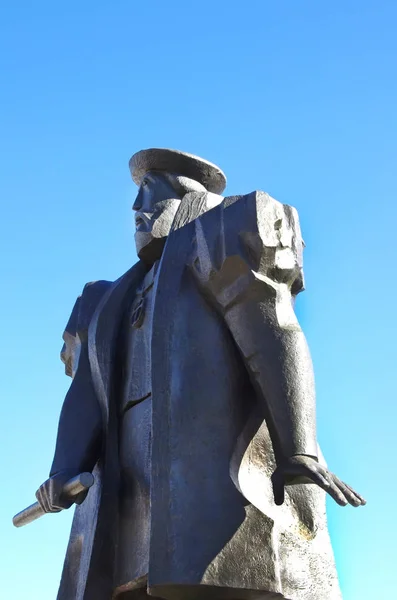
(144, 182)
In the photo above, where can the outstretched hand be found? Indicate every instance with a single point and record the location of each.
(305, 469)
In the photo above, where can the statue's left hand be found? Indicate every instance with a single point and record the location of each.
(305, 469)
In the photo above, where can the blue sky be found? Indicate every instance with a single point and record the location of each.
(295, 98)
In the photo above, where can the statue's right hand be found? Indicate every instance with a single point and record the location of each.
(50, 496)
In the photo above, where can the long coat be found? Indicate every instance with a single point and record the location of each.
(214, 522)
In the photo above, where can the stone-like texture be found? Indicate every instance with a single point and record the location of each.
(193, 402)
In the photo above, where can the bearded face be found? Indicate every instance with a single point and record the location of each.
(155, 208)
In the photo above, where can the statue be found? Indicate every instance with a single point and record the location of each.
(192, 403)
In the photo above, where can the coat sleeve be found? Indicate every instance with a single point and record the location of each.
(248, 261)
(80, 423)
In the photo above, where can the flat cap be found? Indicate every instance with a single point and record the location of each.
(182, 163)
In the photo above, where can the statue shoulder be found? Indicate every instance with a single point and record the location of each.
(270, 237)
(270, 222)
(252, 233)
(76, 329)
(91, 296)
(262, 207)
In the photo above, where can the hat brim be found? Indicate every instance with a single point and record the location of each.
(182, 163)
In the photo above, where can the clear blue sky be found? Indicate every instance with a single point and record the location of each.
(297, 98)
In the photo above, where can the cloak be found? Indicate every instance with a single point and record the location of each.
(214, 524)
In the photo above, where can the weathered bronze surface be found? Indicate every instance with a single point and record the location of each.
(193, 404)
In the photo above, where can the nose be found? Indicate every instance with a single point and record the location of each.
(138, 201)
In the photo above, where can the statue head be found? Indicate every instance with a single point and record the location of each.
(164, 177)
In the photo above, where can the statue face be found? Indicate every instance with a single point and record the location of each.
(155, 208)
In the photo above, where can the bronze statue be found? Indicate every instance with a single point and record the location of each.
(193, 405)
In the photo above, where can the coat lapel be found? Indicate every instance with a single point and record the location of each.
(104, 329)
(173, 263)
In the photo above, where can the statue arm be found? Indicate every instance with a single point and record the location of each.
(274, 348)
(249, 264)
(79, 438)
(249, 261)
(80, 425)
